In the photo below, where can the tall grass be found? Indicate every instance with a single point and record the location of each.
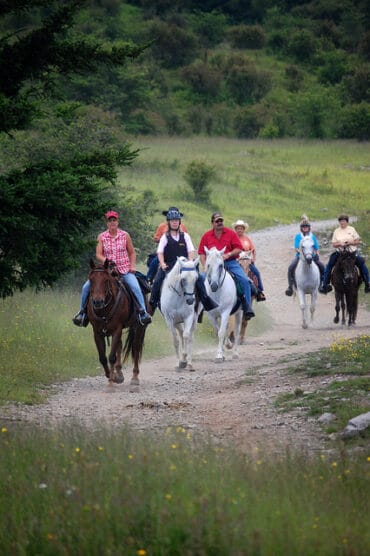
(263, 182)
(68, 492)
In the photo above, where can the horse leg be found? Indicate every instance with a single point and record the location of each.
(243, 329)
(313, 303)
(181, 351)
(222, 331)
(337, 307)
(100, 345)
(118, 374)
(303, 306)
(230, 332)
(189, 327)
(238, 322)
(115, 358)
(343, 307)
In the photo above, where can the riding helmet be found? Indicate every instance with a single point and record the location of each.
(173, 215)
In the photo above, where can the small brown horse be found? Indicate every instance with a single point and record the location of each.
(111, 308)
(346, 281)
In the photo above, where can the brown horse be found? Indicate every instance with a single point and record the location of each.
(111, 308)
(346, 281)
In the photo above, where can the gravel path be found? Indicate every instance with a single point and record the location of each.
(233, 401)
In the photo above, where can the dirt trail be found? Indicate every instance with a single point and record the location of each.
(232, 401)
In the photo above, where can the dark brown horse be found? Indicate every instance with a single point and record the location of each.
(346, 281)
(111, 308)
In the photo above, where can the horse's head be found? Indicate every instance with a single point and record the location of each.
(102, 285)
(307, 249)
(215, 268)
(346, 265)
(188, 277)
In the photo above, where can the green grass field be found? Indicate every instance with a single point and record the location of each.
(72, 492)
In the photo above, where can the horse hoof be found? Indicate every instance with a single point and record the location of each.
(220, 359)
(236, 356)
(182, 364)
(336, 320)
(118, 377)
(304, 325)
(190, 368)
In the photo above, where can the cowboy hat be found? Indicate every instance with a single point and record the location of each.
(245, 225)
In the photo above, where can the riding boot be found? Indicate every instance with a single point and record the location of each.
(206, 300)
(81, 318)
(247, 309)
(155, 295)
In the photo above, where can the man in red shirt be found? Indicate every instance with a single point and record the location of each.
(220, 236)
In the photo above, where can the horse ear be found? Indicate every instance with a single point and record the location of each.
(206, 250)
(196, 261)
(92, 264)
(223, 250)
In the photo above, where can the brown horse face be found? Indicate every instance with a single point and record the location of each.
(100, 288)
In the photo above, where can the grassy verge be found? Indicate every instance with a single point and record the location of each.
(68, 492)
(346, 394)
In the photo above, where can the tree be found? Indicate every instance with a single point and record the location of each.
(47, 207)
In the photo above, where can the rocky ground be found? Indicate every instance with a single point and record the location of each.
(232, 401)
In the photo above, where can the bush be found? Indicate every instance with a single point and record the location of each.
(247, 36)
(302, 45)
(295, 77)
(202, 78)
(355, 122)
(357, 85)
(198, 174)
(248, 122)
(246, 83)
(173, 46)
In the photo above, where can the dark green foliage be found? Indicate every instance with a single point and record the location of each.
(55, 186)
(203, 79)
(46, 212)
(302, 46)
(246, 36)
(245, 82)
(198, 175)
(355, 122)
(173, 45)
(357, 84)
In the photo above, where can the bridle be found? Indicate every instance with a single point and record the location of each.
(108, 304)
(184, 292)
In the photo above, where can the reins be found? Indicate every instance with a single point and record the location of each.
(184, 293)
(106, 318)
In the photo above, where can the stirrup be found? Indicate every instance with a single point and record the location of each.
(81, 319)
(144, 318)
(261, 296)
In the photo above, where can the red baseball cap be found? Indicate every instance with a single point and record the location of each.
(111, 214)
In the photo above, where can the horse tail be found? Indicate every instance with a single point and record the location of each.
(134, 343)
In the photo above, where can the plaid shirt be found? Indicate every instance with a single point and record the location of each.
(114, 249)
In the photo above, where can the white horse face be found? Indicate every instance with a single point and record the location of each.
(307, 250)
(188, 278)
(215, 267)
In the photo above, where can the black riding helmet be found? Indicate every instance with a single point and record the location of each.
(305, 224)
(173, 214)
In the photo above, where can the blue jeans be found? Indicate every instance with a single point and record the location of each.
(234, 267)
(256, 272)
(129, 279)
(152, 268)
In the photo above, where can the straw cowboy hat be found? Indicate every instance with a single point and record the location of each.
(245, 225)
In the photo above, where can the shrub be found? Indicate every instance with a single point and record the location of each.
(248, 122)
(334, 67)
(210, 27)
(247, 36)
(173, 46)
(302, 45)
(355, 122)
(246, 83)
(202, 78)
(357, 85)
(198, 174)
(295, 77)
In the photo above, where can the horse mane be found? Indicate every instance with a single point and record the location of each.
(174, 275)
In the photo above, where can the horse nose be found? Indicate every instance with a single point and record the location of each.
(214, 286)
(190, 300)
(98, 303)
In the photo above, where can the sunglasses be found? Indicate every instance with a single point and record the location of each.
(112, 219)
(219, 220)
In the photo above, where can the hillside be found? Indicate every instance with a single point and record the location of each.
(242, 69)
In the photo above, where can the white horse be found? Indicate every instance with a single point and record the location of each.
(221, 287)
(178, 308)
(307, 277)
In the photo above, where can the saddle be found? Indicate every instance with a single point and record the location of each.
(143, 282)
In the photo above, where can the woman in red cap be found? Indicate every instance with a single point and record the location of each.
(115, 245)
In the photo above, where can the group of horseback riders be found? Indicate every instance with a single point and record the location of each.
(344, 236)
(173, 240)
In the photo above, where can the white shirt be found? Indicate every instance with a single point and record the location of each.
(163, 242)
